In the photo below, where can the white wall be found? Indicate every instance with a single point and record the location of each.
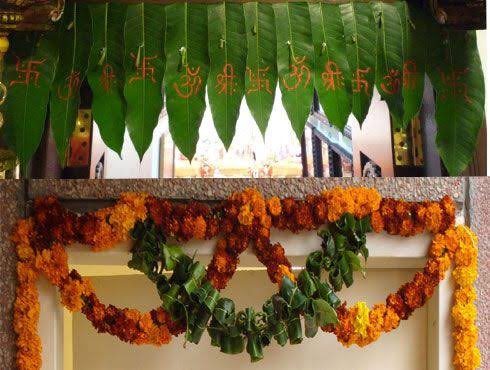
(403, 349)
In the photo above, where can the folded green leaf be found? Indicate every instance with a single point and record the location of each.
(324, 312)
(106, 72)
(360, 38)
(75, 42)
(30, 69)
(261, 69)
(227, 56)
(186, 50)
(144, 65)
(295, 61)
(332, 73)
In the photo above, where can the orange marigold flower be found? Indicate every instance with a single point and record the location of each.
(53, 263)
(465, 295)
(200, 228)
(245, 217)
(274, 205)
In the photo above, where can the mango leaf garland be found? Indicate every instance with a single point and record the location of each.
(75, 43)
(389, 65)
(106, 72)
(145, 65)
(187, 69)
(332, 74)
(414, 21)
(360, 38)
(261, 69)
(30, 69)
(295, 61)
(227, 55)
(456, 74)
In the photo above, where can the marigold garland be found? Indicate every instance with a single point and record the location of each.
(242, 220)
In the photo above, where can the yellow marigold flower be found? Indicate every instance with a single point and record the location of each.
(465, 295)
(245, 217)
(274, 205)
(469, 359)
(463, 315)
(362, 319)
(466, 275)
(466, 338)
(285, 271)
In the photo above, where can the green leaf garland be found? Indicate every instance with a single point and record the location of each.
(234, 50)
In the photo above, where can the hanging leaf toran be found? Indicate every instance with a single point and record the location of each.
(139, 58)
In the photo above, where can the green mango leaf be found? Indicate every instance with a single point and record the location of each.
(75, 44)
(106, 72)
(227, 56)
(332, 73)
(346, 271)
(186, 50)
(389, 65)
(144, 35)
(324, 313)
(354, 261)
(261, 68)
(456, 74)
(414, 24)
(172, 255)
(295, 61)
(306, 283)
(30, 68)
(360, 38)
(295, 333)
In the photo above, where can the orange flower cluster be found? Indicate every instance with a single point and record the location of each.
(360, 325)
(398, 217)
(243, 219)
(39, 243)
(154, 327)
(329, 206)
(465, 332)
(26, 307)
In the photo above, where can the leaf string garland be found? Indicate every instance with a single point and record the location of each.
(232, 50)
(191, 301)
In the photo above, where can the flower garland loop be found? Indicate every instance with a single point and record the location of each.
(244, 220)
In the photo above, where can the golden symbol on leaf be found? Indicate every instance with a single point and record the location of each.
(332, 77)
(454, 86)
(299, 72)
(27, 74)
(391, 82)
(226, 80)
(144, 70)
(409, 74)
(259, 80)
(107, 77)
(359, 83)
(190, 83)
(71, 86)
